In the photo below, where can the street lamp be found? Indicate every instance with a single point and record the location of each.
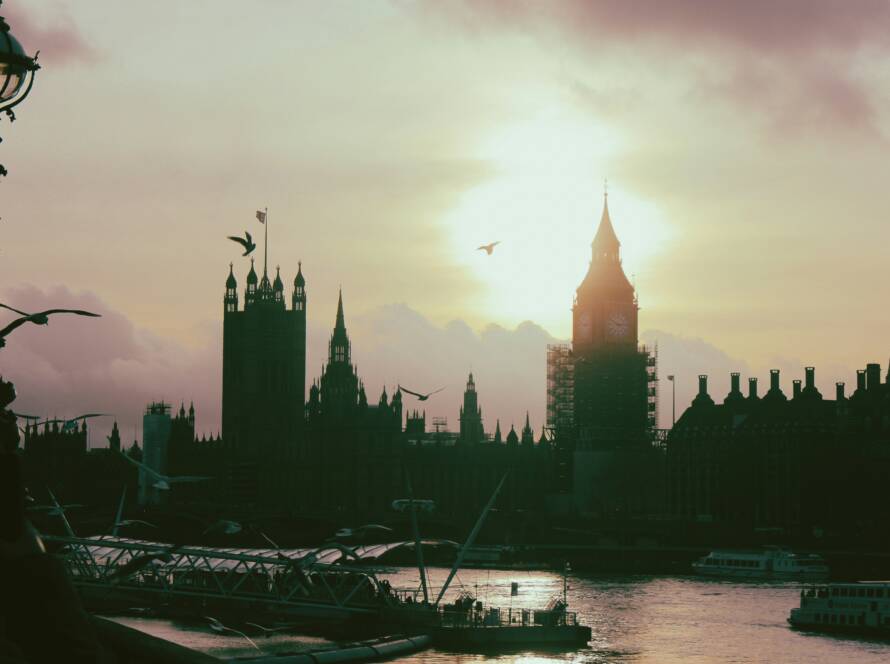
(673, 380)
(16, 73)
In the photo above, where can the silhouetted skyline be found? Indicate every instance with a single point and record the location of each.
(747, 197)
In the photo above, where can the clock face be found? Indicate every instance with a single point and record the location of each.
(617, 326)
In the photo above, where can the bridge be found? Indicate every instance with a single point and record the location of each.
(331, 582)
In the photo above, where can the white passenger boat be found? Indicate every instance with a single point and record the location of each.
(860, 608)
(768, 563)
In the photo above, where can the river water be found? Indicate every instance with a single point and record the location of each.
(638, 619)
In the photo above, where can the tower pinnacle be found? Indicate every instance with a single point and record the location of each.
(605, 243)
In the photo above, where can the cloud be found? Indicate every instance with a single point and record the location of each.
(797, 56)
(76, 365)
(686, 358)
(59, 43)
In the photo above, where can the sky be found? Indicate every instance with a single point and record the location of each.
(744, 146)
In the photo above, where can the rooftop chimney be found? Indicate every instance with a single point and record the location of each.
(873, 376)
(839, 391)
(775, 393)
(703, 398)
(734, 381)
(860, 379)
(796, 388)
(752, 388)
(811, 377)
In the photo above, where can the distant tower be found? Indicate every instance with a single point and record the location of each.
(339, 383)
(264, 374)
(156, 425)
(528, 436)
(114, 440)
(471, 431)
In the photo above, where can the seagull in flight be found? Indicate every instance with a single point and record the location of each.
(219, 628)
(120, 522)
(246, 242)
(420, 504)
(163, 482)
(420, 397)
(488, 248)
(141, 562)
(69, 424)
(361, 532)
(224, 526)
(40, 318)
(270, 630)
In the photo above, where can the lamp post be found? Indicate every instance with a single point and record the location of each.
(17, 72)
(673, 380)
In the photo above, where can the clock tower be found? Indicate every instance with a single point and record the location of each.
(611, 379)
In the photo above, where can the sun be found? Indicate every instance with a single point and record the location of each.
(543, 203)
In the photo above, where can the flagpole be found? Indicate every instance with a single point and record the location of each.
(266, 241)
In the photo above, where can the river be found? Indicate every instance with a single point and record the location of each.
(638, 619)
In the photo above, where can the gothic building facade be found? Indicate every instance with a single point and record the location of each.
(805, 466)
(264, 377)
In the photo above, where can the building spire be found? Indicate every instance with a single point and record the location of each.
(341, 322)
(605, 243)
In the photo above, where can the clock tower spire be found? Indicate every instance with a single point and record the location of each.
(605, 311)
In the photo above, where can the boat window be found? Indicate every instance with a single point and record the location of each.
(834, 618)
(861, 619)
(834, 592)
(871, 592)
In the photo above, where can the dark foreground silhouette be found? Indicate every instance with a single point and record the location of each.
(41, 617)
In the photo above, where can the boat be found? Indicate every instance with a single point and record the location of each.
(467, 624)
(855, 608)
(768, 563)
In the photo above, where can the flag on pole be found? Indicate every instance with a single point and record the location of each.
(261, 216)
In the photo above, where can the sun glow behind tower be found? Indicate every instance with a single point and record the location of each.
(543, 202)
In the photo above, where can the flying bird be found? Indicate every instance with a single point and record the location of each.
(223, 526)
(41, 318)
(218, 627)
(362, 531)
(488, 248)
(270, 630)
(60, 512)
(246, 242)
(420, 397)
(138, 563)
(71, 423)
(163, 482)
(420, 504)
(120, 522)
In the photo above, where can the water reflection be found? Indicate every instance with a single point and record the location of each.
(638, 619)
